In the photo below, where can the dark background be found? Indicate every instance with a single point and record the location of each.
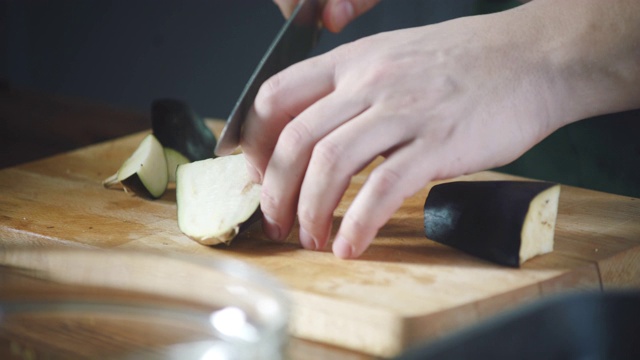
(127, 53)
(124, 54)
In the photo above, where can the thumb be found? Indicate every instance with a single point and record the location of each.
(338, 13)
(286, 6)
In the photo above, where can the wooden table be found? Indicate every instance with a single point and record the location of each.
(405, 289)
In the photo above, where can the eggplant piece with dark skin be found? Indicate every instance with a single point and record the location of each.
(179, 136)
(505, 222)
(178, 127)
(144, 173)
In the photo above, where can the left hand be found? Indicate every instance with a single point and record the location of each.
(437, 102)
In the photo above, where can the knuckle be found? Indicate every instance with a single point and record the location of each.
(356, 228)
(344, 52)
(383, 180)
(268, 203)
(309, 218)
(377, 73)
(325, 155)
(356, 225)
(295, 136)
(342, 56)
(269, 93)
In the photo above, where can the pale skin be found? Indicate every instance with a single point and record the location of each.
(436, 102)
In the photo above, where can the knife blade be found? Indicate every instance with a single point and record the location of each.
(297, 37)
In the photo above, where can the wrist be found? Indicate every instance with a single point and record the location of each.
(592, 54)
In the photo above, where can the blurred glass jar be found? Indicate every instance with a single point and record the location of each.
(90, 303)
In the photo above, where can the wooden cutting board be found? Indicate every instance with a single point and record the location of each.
(403, 290)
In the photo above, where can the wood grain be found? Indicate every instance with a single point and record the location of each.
(403, 290)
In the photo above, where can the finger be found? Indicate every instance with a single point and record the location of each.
(384, 191)
(338, 13)
(334, 160)
(286, 168)
(279, 100)
(286, 6)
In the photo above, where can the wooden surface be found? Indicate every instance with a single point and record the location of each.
(403, 290)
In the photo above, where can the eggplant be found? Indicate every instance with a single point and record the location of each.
(144, 173)
(505, 222)
(215, 198)
(174, 159)
(178, 127)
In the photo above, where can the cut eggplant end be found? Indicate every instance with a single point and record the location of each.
(215, 197)
(505, 222)
(177, 126)
(133, 185)
(112, 182)
(539, 224)
(144, 173)
(174, 159)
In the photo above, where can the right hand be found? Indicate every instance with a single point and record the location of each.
(336, 14)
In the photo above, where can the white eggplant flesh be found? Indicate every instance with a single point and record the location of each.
(215, 197)
(144, 173)
(539, 224)
(174, 159)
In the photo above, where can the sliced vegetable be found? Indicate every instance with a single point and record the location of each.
(178, 127)
(506, 222)
(215, 198)
(145, 172)
(174, 159)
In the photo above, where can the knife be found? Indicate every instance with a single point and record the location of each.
(297, 37)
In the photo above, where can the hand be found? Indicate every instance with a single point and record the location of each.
(336, 14)
(437, 102)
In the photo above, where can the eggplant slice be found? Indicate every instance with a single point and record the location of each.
(144, 173)
(506, 222)
(174, 159)
(215, 198)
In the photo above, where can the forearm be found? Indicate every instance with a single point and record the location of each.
(592, 50)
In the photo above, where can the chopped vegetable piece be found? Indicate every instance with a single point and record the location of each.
(178, 127)
(174, 159)
(145, 172)
(506, 222)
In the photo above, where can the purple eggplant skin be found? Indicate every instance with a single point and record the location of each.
(177, 126)
(481, 218)
(135, 185)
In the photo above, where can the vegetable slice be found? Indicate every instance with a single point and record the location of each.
(178, 127)
(506, 222)
(174, 159)
(215, 198)
(145, 172)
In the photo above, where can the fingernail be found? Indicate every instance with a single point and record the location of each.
(342, 13)
(254, 175)
(271, 229)
(342, 248)
(307, 241)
